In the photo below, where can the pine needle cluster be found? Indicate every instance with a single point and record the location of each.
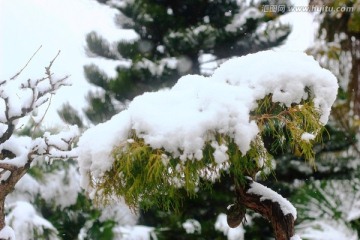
(154, 177)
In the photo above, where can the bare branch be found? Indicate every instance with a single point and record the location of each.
(8, 167)
(47, 69)
(17, 74)
(39, 96)
(42, 118)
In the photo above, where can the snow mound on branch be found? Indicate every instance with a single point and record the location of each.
(182, 119)
(283, 74)
(268, 194)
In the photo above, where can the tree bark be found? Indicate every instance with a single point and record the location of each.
(7, 186)
(2, 211)
(283, 225)
(354, 85)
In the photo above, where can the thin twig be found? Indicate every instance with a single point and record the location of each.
(16, 75)
(47, 69)
(42, 118)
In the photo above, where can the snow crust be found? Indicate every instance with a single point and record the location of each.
(182, 119)
(268, 194)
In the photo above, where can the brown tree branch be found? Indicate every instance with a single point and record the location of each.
(7, 134)
(8, 166)
(282, 223)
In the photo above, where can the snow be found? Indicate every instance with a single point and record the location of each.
(118, 212)
(45, 22)
(295, 237)
(49, 146)
(20, 146)
(137, 232)
(299, 39)
(307, 136)
(192, 226)
(96, 144)
(221, 225)
(182, 119)
(59, 188)
(220, 152)
(268, 194)
(20, 98)
(242, 17)
(327, 203)
(285, 75)
(7, 233)
(23, 216)
(157, 68)
(326, 230)
(25, 190)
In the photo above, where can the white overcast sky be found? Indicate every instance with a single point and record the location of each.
(62, 25)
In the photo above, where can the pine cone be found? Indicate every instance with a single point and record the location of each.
(235, 215)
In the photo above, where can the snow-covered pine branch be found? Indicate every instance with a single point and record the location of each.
(207, 126)
(18, 99)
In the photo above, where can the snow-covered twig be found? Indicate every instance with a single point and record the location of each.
(22, 97)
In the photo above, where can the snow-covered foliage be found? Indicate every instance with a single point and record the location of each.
(59, 188)
(135, 232)
(120, 213)
(182, 119)
(326, 230)
(124, 223)
(327, 207)
(240, 18)
(27, 223)
(47, 187)
(192, 226)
